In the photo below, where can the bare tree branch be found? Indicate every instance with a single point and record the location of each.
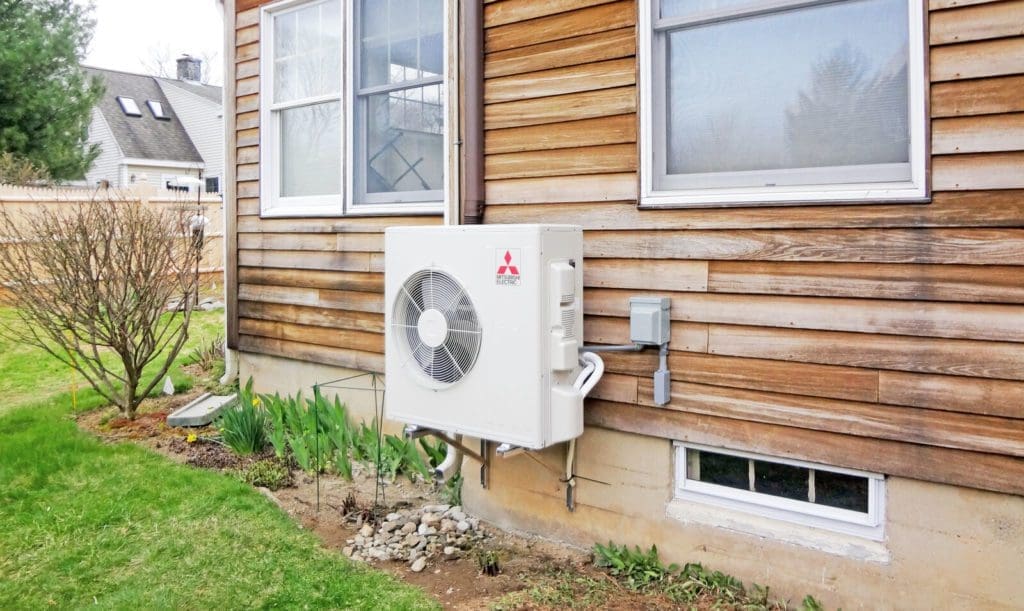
(90, 283)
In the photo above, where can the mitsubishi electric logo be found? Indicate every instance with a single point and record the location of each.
(508, 271)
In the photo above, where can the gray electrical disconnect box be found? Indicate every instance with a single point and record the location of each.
(649, 320)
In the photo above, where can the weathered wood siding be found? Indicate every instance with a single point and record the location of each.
(880, 337)
(308, 289)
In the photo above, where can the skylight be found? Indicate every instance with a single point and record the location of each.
(157, 109)
(129, 106)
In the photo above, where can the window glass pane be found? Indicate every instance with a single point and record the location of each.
(731, 471)
(307, 52)
(404, 141)
(685, 8)
(841, 490)
(400, 41)
(782, 480)
(311, 150)
(806, 88)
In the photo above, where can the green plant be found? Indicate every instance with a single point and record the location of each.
(452, 491)
(639, 569)
(398, 456)
(243, 426)
(810, 603)
(694, 582)
(488, 561)
(268, 473)
(207, 355)
(277, 432)
(435, 452)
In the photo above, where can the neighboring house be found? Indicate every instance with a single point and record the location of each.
(831, 193)
(157, 129)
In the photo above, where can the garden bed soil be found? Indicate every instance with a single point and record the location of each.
(535, 574)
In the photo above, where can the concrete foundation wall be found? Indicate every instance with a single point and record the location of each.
(272, 374)
(944, 547)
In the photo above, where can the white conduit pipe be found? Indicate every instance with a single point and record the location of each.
(442, 471)
(593, 369)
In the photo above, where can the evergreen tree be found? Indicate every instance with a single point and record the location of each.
(46, 99)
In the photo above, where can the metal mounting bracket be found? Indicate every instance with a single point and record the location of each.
(483, 456)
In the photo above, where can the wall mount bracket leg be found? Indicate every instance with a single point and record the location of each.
(483, 457)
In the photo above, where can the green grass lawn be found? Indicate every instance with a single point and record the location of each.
(85, 523)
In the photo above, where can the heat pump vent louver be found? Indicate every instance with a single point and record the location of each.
(437, 326)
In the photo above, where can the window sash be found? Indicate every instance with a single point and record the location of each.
(846, 185)
(868, 524)
(396, 202)
(348, 201)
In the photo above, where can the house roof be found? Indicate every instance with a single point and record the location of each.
(210, 92)
(143, 137)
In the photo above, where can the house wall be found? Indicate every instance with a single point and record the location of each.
(204, 121)
(107, 166)
(308, 289)
(154, 175)
(880, 337)
(886, 338)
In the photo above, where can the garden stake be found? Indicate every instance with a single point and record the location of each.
(316, 434)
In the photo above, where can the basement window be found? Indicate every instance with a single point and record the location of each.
(811, 494)
(157, 109)
(129, 106)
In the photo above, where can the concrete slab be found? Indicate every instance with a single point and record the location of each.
(202, 411)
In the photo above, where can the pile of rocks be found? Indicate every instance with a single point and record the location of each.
(417, 535)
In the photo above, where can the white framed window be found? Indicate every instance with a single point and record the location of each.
(353, 107)
(771, 102)
(810, 494)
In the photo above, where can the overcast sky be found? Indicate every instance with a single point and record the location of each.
(133, 35)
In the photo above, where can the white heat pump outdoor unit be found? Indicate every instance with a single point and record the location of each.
(483, 326)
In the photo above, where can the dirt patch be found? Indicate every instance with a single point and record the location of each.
(534, 574)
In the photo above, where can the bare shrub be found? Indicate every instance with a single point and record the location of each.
(90, 283)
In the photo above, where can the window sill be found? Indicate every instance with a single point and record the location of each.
(434, 209)
(698, 512)
(735, 198)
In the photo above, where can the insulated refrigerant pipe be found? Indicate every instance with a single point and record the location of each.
(593, 369)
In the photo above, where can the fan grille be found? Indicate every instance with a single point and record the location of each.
(444, 356)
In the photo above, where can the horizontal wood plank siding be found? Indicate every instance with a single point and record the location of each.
(887, 337)
(826, 333)
(308, 289)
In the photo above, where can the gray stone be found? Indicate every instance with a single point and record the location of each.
(450, 550)
(393, 517)
(347, 551)
(436, 508)
(409, 527)
(387, 527)
(457, 515)
(430, 519)
(201, 411)
(366, 530)
(418, 565)
(462, 526)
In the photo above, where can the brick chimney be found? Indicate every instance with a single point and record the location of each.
(190, 68)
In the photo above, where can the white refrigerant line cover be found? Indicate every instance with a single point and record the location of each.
(482, 329)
